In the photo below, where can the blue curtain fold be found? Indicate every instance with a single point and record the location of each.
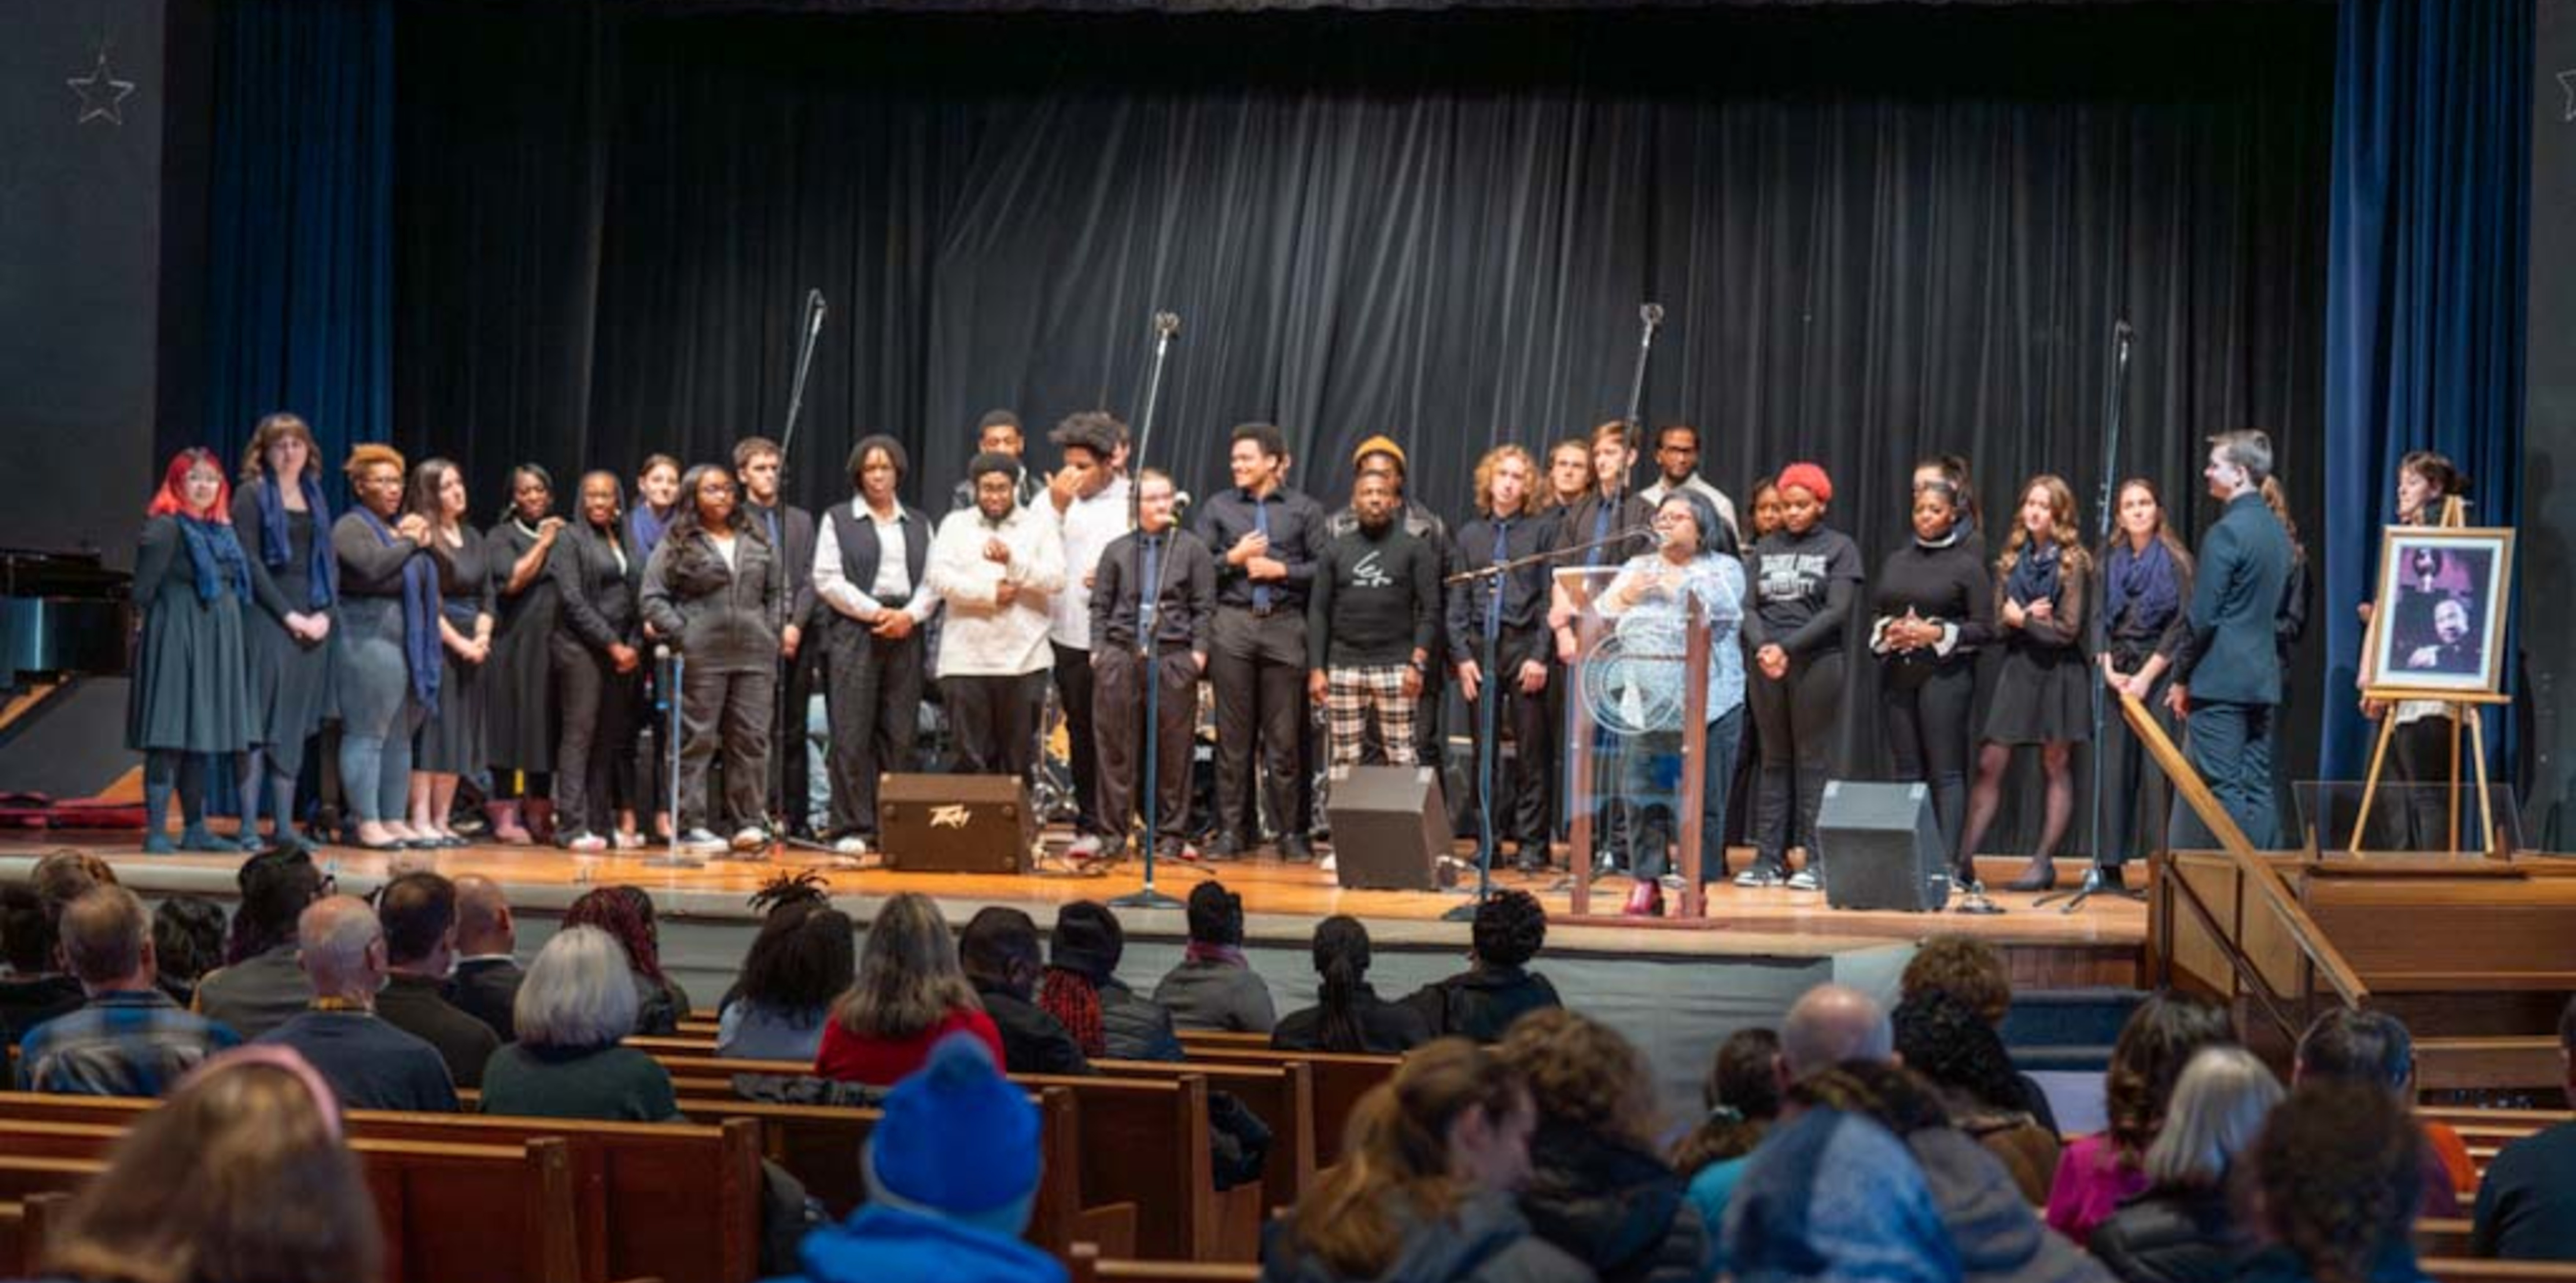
(2425, 296)
(300, 297)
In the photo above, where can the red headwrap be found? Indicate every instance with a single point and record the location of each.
(172, 500)
(1810, 478)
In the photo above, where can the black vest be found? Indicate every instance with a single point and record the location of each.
(857, 539)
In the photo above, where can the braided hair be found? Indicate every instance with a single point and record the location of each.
(626, 914)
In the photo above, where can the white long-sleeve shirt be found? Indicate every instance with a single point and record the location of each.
(863, 602)
(1090, 526)
(982, 637)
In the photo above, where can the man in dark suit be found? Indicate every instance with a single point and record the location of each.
(2227, 674)
(487, 977)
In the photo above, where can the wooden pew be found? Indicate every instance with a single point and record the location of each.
(448, 1212)
(1222, 1040)
(682, 1201)
(2442, 1236)
(1283, 1095)
(2464, 1269)
(1339, 1082)
(1091, 1265)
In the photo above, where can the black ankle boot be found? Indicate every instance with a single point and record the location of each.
(2039, 875)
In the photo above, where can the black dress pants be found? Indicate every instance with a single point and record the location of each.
(874, 702)
(1799, 716)
(1259, 670)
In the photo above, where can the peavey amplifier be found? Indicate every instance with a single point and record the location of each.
(954, 823)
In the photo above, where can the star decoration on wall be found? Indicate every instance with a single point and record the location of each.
(102, 95)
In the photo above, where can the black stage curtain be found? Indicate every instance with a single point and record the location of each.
(1878, 232)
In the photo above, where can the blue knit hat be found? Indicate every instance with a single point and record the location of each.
(957, 1138)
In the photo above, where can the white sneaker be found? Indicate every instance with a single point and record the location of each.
(750, 837)
(1758, 876)
(852, 846)
(587, 843)
(1084, 848)
(1330, 863)
(1804, 880)
(701, 842)
(629, 841)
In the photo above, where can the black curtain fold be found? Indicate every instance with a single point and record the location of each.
(1877, 231)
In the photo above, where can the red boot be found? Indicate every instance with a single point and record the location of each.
(1646, 901)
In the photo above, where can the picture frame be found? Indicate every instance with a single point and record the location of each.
(2437, 621)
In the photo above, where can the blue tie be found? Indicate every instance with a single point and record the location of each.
(770, 515)
(1600, 531)
(1261, 526)
(1149, 596)
(1494, 604)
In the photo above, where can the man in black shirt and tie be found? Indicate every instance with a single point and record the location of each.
(1154, 580)
(1267, 540)
(1498, 646)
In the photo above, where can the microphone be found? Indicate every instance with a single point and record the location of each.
(2121, 330)
(1167, 324)
(1180, 505)
(1652, 314)
(814, 309)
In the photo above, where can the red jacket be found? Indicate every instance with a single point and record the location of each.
(882, 1062)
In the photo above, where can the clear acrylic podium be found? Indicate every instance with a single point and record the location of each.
(1636, 726)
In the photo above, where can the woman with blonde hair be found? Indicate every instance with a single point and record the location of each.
(386, 669)
(284, 524)
(1424, 1190)
(1598, 1188)
(242, 1177)
(2185, 1228)
(2043, 695)
(910, 993)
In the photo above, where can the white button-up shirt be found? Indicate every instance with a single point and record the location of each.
(1090, 526)
(981, 636)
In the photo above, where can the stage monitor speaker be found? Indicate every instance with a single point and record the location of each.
(1881, 847)
(954, 823)
(1390, 827)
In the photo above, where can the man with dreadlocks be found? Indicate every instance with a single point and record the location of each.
(805, 955)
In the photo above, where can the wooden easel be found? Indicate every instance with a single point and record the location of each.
(2463, 709)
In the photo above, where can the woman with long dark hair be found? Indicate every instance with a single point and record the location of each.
(2042, 693)
(523, 721)
(1804, 577)
(626, 914)
(708, 589)
(284, 524)
(598, 656)
(804, 956)
(2097, 1173)
(2146, 586)
(385, 671)
(455, 739)
(1936, 610)
(1348, 1016)
(190, 696)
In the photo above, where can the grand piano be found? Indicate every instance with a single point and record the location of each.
(62, 614)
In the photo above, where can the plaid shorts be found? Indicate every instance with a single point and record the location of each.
(1353, 696)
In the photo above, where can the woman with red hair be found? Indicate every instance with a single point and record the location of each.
(191, 690)
(1797, 609)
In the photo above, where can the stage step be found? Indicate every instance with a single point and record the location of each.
(2069, 1030)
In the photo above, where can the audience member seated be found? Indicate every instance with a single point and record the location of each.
(1973, 971)
(1743, 1099)
(187, 942)
(419, 914)
(2373, 1047)
(1437, 1153)
(35, 990)
(1997, 1237)
(1831, 1025)
(910, 994)
(1831, 1197)
(241, 1178)
(1081, 989)
(574, 1013)
(2338, 1170)
(2527, 1201)
(805, 955)
(1597, 1187)
(1348, 1016)
(999, 952)
(486, 983)
(952, 1174)
(2185, 1227)
(369, 1063)
(261, 986)
(626, 913)
(1961, 1056)
(1497, 987)
(130, 1039)
(2097, 1173)
(1213, 987)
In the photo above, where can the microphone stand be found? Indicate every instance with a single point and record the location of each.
(786, 726)
(668, 701)
(1650, 318)
(2115, 412)
(1167, 326)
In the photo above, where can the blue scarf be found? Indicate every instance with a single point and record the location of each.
(216, 552)
(2144, 584)
(647, 528)
(321, 569)
(2034, 573)
(420, 608)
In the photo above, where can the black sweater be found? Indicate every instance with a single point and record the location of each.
(1799, 591)
(1376, 600)
(1941, 586)
(1185, 613)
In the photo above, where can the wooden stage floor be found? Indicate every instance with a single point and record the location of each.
(2100, 943)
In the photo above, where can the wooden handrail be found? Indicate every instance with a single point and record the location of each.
(2273, 889)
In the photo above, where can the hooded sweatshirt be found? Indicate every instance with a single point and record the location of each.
(880, 1244)
(1612, 1205)
(1484, 1240)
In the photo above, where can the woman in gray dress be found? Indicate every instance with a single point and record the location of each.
(386, 668)
(521, 805)
(453, 739)
(190, 694)
(284, 526)
(708, 589)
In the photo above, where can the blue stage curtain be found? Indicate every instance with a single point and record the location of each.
(300, 290)
(2425, 297)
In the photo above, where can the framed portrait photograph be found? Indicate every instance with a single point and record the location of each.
(2438, 622)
